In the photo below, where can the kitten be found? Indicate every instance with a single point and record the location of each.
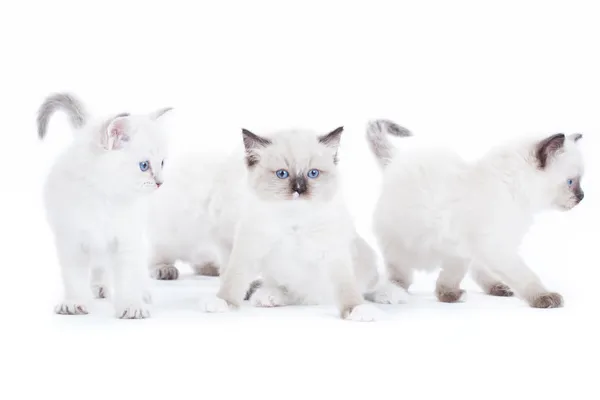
(296, 232)
(435, 209)
(95, 203)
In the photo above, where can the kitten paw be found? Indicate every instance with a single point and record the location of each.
(547, 300)
(99, 291)
(69, 308)
(165, 272)
(268, 297)
(364, 313)
(389, 294)
(208, 269)
(450, 295)
(133, 312)
(214, 305)
(500, 289)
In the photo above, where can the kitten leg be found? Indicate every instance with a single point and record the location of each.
(527, 285)
(75, 270)
(98, 282)
(130, 282)
(488, 282)
(447, 288)
(205, 261)
(348, 295)
(235, 281)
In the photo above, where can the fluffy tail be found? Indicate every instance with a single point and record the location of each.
(60, 101)
(377, 135)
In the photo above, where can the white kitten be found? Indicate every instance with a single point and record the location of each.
(95, 203)
(295, 230)
(435, 209)
(194, 214)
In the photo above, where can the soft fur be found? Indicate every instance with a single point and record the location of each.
(295, 231)
(435, 209)
(95, 197)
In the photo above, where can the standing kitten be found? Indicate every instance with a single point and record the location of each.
(95, 203)
(436, 209)
(295, 230)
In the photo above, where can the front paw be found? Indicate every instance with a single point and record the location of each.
(70, 308)
(500, 289)
(137, 310)
(214, 304)
(547, 300)
(447, 294)
(363, 313)
(165, 272)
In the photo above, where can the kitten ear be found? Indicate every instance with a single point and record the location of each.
(547, 148)
(332, 139)
(575, 137)
(115, 132)
(252, 142)
(159, 113)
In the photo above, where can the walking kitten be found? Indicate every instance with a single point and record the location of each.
(435, 209)
(95, 198)
(295, 230)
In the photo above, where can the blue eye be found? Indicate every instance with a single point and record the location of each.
(144, 165)
(570, 182)
(313, 173)
(282, 174)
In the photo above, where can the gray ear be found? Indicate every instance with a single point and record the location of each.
(575, 137)
(547, 148)
(332, 139)
(252, 142)
(159, 113)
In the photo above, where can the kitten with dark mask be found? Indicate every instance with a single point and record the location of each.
(436, 209)
(296, 232)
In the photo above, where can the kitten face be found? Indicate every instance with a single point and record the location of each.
(293, 165)
(561, 160)
(137, 152)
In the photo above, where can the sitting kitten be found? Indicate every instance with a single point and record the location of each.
(435, 209)
(94, 197)
(296, 232)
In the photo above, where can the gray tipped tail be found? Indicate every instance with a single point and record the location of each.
(60, 101)
(377, 135)
(253, 287)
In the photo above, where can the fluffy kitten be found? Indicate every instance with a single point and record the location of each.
(295, 230)
(95, 203)
(435, 209)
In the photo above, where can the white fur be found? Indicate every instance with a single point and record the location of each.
(95, 198)
(304, 246)
(437, 210)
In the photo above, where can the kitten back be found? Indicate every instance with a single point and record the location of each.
(377, 135)
(65, 102)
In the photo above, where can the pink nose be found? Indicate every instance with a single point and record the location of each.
(158, 184)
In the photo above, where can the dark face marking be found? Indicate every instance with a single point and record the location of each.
(547, 148)
(298, 184)
(251, 143)
(577, 190)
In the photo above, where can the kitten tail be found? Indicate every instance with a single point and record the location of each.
(377, 135)
(60, 101)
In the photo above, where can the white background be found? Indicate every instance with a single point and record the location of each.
(467, 73)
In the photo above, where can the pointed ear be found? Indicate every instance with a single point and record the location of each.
(332, 139)
(252, 142)
(159, 113)
(576, 137)
(548, 148)
(115, 132)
